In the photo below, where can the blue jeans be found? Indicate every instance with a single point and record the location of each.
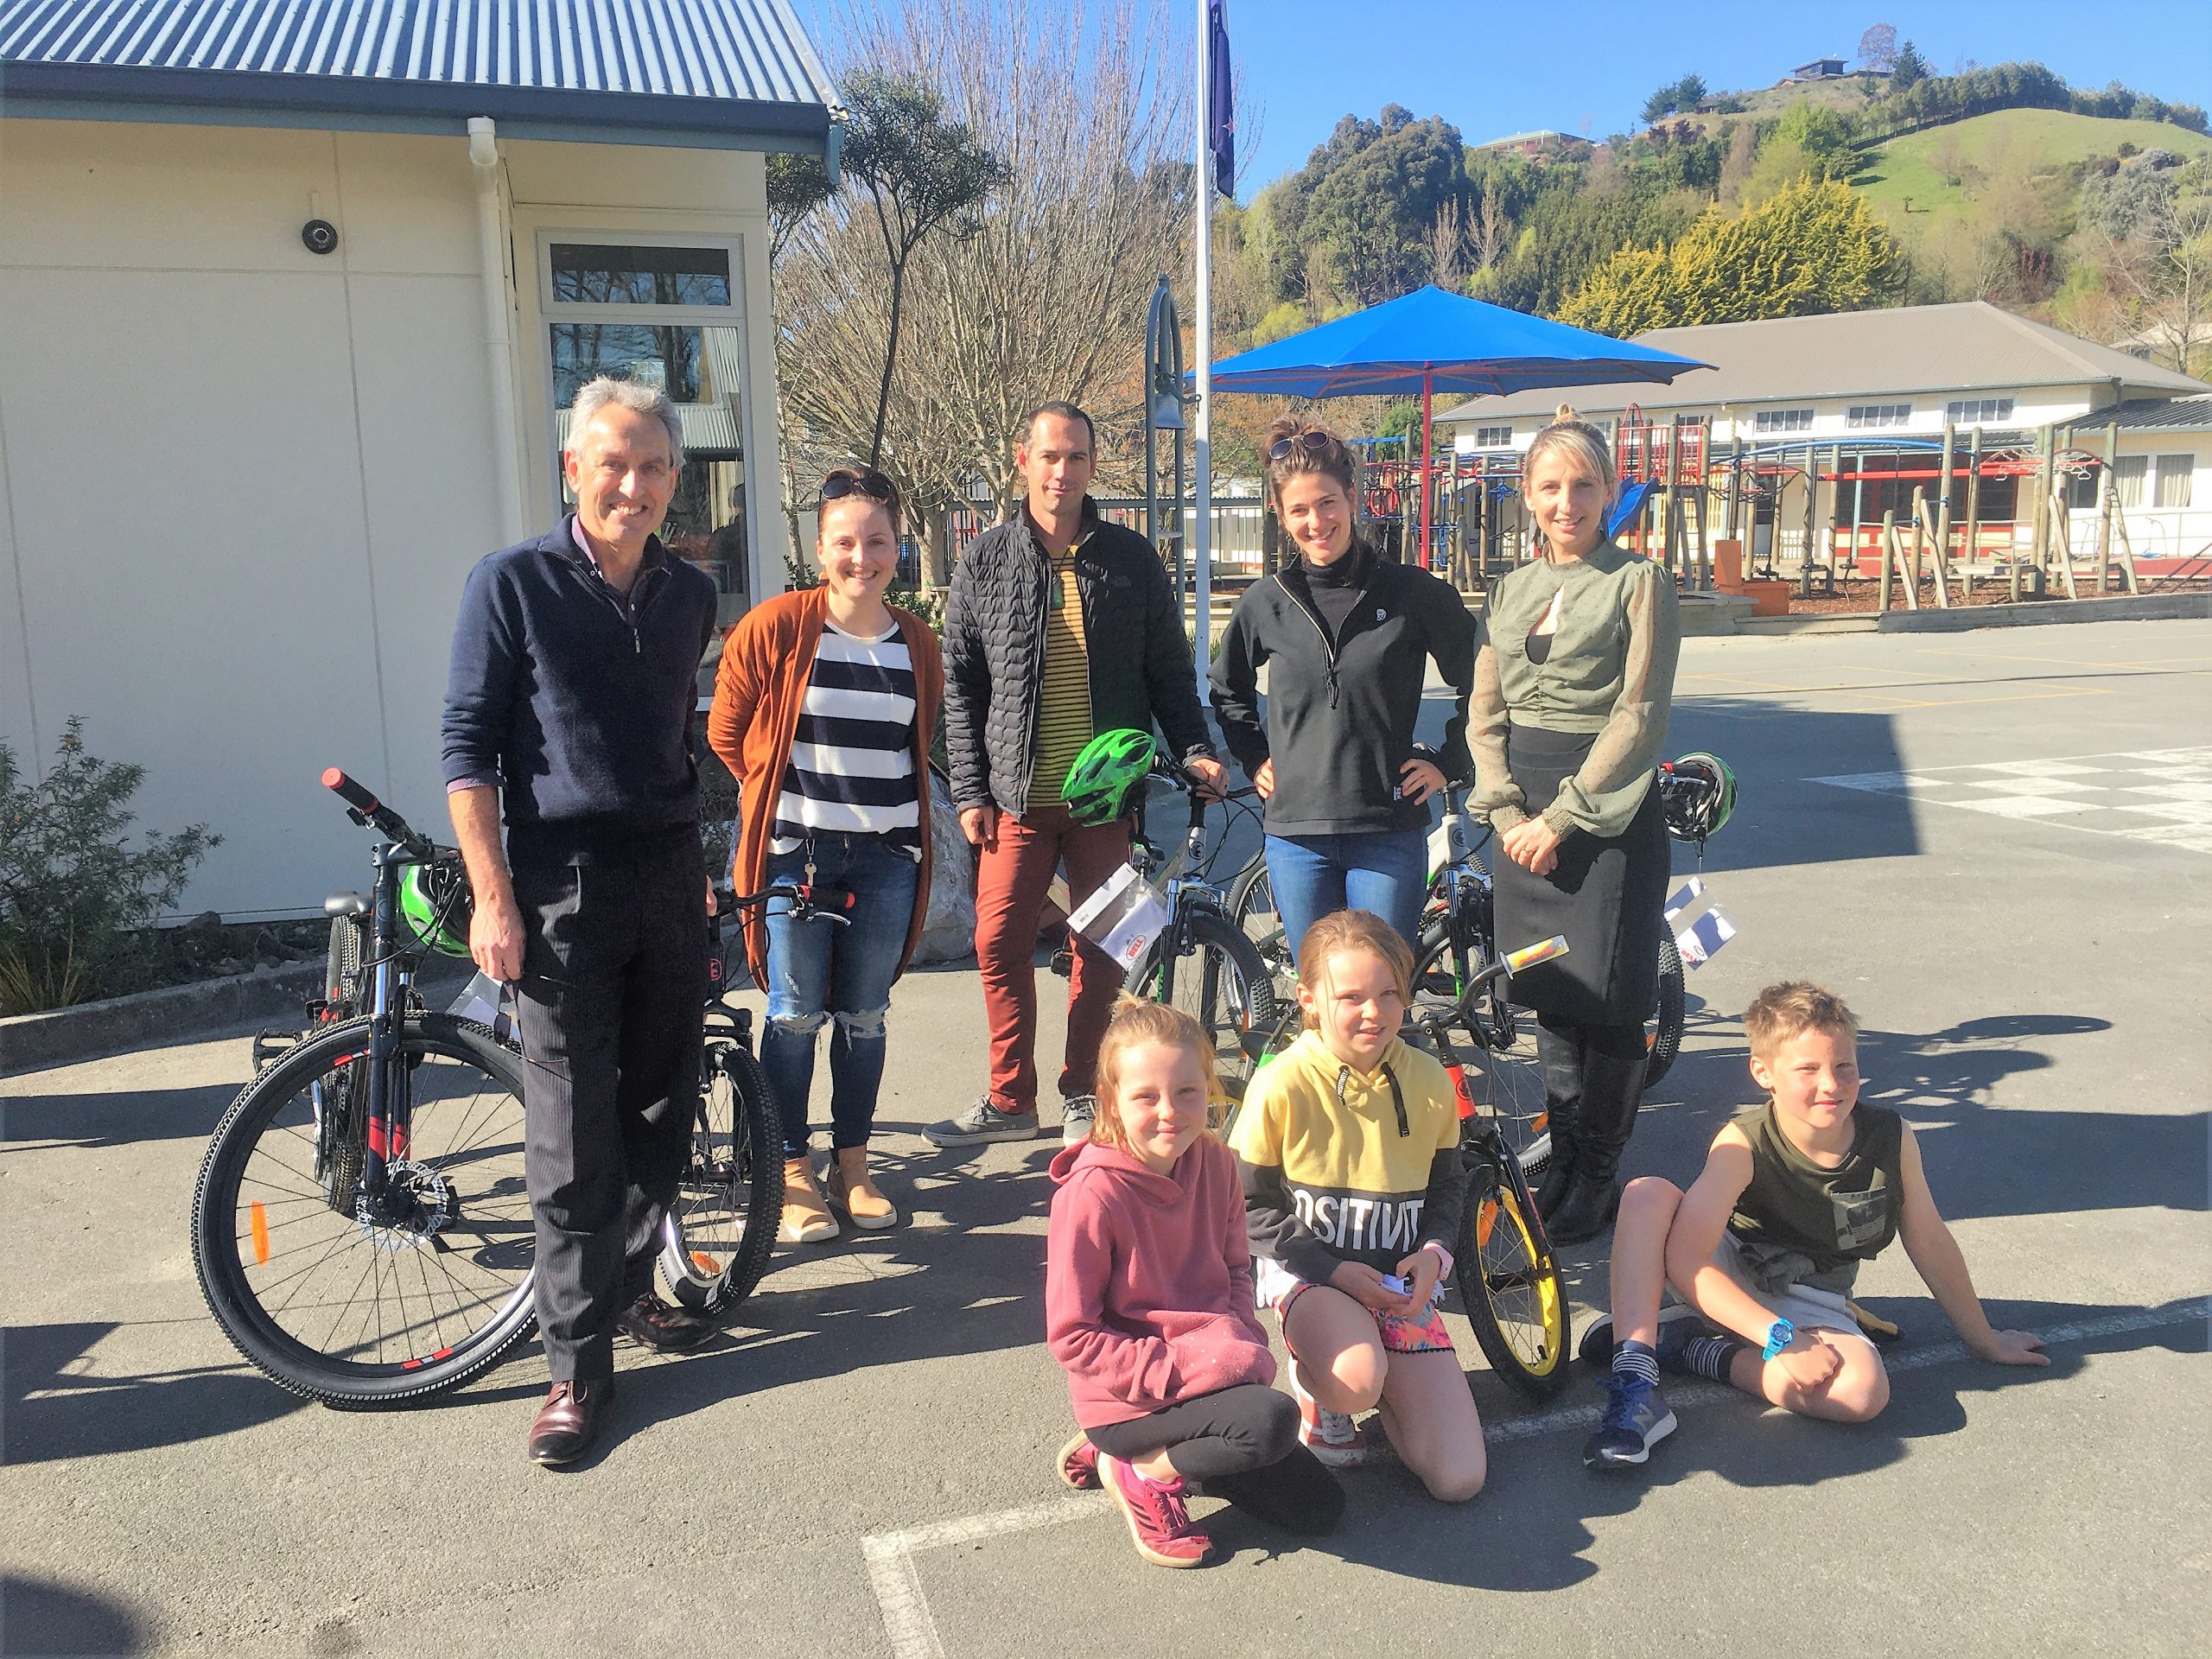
(1385, 871)
(817, 969)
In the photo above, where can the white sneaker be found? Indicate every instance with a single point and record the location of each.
(1077, 1113)
(1331, 1436)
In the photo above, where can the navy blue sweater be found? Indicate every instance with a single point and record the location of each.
(580, 705)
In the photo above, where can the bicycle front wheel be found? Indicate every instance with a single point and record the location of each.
(347, 1310)
(721, 1226)
(1663, 1033)
(1509, 1285)
(1219, 979)
(1252, 908)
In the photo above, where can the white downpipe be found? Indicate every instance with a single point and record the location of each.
(499, 338)
(1201, 429)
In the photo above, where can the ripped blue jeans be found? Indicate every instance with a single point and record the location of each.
(821, 973)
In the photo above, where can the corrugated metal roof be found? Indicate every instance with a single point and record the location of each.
(2156, 414)
(695, 53)
(1950, 349)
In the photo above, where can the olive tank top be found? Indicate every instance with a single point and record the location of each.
(1835, 1218)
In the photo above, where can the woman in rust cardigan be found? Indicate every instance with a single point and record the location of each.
(825, 706)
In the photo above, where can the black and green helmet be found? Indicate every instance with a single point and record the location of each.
(1699, 810)
(1102, 782)
(435, 904)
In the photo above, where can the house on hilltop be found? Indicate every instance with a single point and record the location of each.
(295, 292)
(1818, 69)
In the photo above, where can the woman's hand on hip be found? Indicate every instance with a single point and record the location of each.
(1534, 845)
(1418, 780)
(1264, 779)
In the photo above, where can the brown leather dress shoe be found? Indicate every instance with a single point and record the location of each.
(568, 1422)
(651, 1323)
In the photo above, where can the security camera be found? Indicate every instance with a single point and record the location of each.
(320, 235)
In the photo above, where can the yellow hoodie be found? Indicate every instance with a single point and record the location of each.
(1339, 1165)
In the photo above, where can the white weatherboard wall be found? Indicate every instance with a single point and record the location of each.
(241, 484)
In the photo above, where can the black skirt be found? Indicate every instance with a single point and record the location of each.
(1606, 894)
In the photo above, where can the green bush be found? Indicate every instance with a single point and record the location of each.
(72, 892)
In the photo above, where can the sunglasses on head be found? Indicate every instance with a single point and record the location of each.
(872, 484)
(1313, 440)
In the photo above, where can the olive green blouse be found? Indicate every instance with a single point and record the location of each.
(1610, 669)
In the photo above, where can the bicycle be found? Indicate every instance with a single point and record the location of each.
(361, 1226)
(1198, 961)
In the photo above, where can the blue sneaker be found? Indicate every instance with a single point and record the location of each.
(1635, 1420)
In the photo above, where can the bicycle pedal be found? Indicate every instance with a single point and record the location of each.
(1063, 962)
(269, 1046)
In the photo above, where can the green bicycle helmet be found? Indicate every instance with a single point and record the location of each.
(1107, 774)
(1702, 796)
(435, 904)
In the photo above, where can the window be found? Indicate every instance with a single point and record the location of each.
(590, 274)
(1493, 437)
(2173, 480)
(1782, 420)
(2128, 475)
(667, 316)
(1874, 414)
(1977, 411)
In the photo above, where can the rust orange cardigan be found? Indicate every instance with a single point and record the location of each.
(758, 690)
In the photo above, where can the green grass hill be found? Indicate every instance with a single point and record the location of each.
(1941, 172)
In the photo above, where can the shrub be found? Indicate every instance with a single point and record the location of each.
(72, 890)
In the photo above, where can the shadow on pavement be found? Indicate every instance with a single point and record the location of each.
(40, 1616)
(118, 1120)
(1528, 1529)
(1783, 816)
(55, 1415)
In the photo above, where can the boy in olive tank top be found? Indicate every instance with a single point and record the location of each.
(1766, 1242)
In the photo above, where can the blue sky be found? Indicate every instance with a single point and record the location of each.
(1494, 68)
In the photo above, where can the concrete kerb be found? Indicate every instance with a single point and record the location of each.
(2127, 607)
(144, 1019)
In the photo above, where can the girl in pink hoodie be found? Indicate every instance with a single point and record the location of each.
(1148, 1306)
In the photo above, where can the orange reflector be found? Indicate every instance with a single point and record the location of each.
(260, 1235)
(1485, 1218)
(705, 1263)
(1543, 1121)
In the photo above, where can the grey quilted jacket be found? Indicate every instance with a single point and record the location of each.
(1141, 669)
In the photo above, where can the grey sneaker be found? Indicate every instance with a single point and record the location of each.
(1077, 1113)
(981, 1124)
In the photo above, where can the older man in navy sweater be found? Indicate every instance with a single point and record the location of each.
(570, 702)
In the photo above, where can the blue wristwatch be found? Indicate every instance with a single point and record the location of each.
(1779, 1335)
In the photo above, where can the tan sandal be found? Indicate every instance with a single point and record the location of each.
(806, 1220)
(851, 1189)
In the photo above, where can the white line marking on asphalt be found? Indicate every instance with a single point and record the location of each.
(905, 1608)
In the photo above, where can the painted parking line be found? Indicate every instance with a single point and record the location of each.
(897, 1581)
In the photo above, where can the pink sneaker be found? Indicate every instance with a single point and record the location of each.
(1331, 1436)
(1159, 1523)
(1078, 1464)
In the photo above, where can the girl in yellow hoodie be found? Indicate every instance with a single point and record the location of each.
(1348, 1151)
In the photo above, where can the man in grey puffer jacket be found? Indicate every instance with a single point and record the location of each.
(1059, 626)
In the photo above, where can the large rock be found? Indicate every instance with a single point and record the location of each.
(949, 931)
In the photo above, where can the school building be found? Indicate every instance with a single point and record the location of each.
(295, 292)
(1827, 423)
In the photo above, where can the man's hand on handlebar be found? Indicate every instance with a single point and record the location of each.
(1208, 776)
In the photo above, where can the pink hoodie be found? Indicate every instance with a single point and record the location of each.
(1148, 1281)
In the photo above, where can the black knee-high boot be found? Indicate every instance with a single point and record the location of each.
(1613, 1059)
(1559, 1052)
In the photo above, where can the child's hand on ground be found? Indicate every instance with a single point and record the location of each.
(2010, 1348)
(1364, 1285)
(1420, 1271)
(1809, 1362)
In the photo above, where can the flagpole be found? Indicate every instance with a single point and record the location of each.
(1202, 429)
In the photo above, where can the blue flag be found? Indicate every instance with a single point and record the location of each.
(1221, 103)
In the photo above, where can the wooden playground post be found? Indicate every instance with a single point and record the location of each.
(2126, 551)
(1973, 507)
(1919, 520)
(2062, 535)
(1943, 506)
(1893, 564)
(1937, 559)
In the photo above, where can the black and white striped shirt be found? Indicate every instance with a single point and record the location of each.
(852, 762)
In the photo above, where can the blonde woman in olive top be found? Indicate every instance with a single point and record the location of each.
(1573, 685)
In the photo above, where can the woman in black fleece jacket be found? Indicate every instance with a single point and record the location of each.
(1348, 637)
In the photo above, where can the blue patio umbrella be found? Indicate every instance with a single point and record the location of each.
(1432, 341)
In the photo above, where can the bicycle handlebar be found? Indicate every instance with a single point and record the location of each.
(370, 811)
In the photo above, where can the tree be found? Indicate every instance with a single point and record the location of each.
(1369, 201)
(1910, 69)
(1878, 49)
(2163, 279)
(922, 172)
(1816, 246)
(1689, 93)
(797, 185)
